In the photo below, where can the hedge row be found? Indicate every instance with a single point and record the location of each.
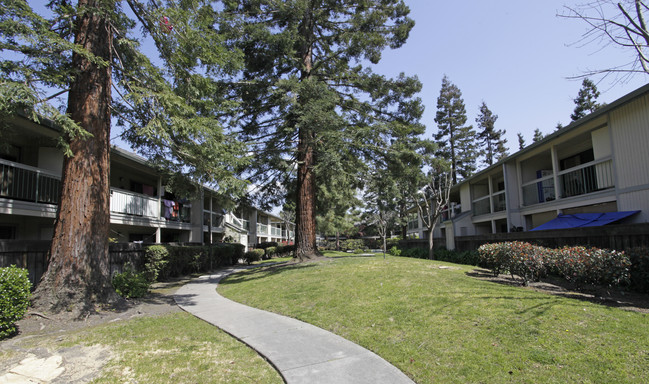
(579, 265)
(164, 261)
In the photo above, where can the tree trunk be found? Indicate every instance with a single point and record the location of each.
(305, 242)
(305, 215)
(78, 274)
(431, 254)
(337, 241)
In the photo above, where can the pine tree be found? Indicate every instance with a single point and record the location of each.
(455, 141)
(312, 107)
(538, 135)
(490, 138)
(521, 141)
(172, 114)
(586, 100)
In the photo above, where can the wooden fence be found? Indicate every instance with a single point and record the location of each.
(618, 237)
(32, 255)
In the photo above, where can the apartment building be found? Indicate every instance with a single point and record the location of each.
(141, 209)
(598, 164)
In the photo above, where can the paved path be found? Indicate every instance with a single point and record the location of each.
(301, 352)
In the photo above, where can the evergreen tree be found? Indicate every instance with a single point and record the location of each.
(538, 135)
(172, 114)
(310, 102)
(455, 141)
(521, 141)
(490, 138)
(586, 100)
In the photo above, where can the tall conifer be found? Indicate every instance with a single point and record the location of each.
(491, 139)
(455, 140)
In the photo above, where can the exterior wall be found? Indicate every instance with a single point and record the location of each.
(50, 159)
(630, 136)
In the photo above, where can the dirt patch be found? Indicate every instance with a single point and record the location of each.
(81, 363)
(611, 297)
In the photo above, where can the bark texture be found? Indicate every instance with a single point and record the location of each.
(78, 275)
(305, 218)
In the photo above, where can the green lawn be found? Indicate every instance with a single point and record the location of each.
(174, 348)
(442, 326)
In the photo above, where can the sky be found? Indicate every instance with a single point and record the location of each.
(515, 55)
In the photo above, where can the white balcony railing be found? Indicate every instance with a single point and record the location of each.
(134, 204)
(262, 229)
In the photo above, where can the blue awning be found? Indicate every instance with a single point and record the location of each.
(579, 220)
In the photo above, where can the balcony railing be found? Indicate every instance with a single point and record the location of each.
(134, 204)
(262, 229)
(277, 232)
(22, 182)
(499, 201)
(587, 178)
(481, 206)
(539, 191)
(217, 219)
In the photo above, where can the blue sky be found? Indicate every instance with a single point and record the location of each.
(516, 55)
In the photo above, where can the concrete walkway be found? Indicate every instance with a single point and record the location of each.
(302, 353)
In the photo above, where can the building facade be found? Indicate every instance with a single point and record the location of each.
(140, 207)
(597, 164)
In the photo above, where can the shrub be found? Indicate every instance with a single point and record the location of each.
(493, 257)
(583, 265)
(526, 260)
(639, 270)
(393, 242)
(416, 253)
(271, 252)
(358, 251)
(285, 250)
(253, 255)
(266, 244)
(156, 257)
(352, 244)
(130, 284)
(452, 256)
(14, 298)
(394, 251)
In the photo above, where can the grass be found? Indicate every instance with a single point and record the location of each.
(174, 348)
(443, 326)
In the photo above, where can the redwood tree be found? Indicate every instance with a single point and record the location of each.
(171, 112)
(312, 106)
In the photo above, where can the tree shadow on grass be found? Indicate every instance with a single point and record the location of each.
(610, 297)
(263, 272)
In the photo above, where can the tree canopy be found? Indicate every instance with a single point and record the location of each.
(312, 107)
(586, 100)
(491, 139)
(455, 140)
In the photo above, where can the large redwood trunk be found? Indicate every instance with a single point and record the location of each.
(305, 213)
(305, 241)
(78, 275)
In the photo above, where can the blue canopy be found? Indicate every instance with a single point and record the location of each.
(578, 220)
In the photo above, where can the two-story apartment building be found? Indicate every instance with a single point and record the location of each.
(141, 209)
(597, 164)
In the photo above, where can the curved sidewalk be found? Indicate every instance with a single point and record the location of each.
(301, 352)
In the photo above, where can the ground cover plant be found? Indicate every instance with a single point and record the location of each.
(439, 325)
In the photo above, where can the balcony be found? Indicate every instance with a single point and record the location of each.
(217, 219)
(133, 204)
(481, 206)
(499, 201)
(580, 180)
(262, 229)
(587, 178)
(276, 231)
(22, 182)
